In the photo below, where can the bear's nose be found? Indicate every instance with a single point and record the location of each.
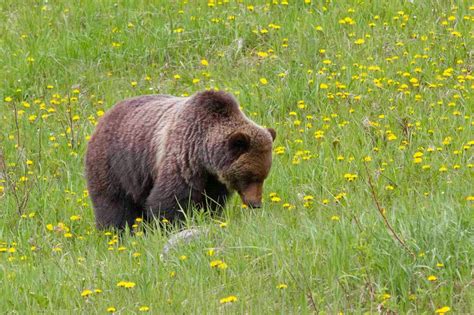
(254, 204)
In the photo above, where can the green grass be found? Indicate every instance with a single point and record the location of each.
(394, 79)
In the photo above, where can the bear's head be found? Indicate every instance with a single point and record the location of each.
(251, 150)
(238, 151)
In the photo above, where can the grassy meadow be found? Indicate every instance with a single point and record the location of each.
(369, 207)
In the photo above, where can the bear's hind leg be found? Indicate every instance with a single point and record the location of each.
(115, 212)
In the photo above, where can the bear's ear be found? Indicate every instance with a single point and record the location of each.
(272, 132)
(239, 143)
(218, 102)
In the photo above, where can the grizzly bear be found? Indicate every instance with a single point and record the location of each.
(153, 156)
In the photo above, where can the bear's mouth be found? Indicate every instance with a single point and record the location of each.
(252, 195)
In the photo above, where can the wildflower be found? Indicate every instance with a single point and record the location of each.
(215, 263)
(218, 264)
(126, 284)
(335, 218)
(391, 136)
(359, 41)
(86, 293)
(8, 99)
(111, 309)
(350, 177)
(229, 299)
(204, 62)
(183, 257)
(75, 218)
(279, 150)
(432, 278)
(385, 296)
(443, 310)
(323, 86)
(417, 157)
(275, 199)
(282, 286)
(143, 308)
(263, 81)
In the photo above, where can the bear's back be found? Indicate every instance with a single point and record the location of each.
(128, 139)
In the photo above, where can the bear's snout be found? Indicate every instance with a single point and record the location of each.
(252, 195)
(255, 204)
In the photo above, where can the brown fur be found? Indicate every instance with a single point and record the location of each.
(152, 155)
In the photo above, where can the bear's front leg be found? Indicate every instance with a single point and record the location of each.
(115, 211)
(168, 203)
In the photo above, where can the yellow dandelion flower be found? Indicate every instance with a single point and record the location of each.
(282, 286)
(111, 309)
(385, 296)
(143, 308)
(275, 199)
(126, 284)
(432, 278)
(443, 310)
(359, 41)
(263, 81)
(229, 299)
(350, 177)
(215, 263)
(86, 293)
